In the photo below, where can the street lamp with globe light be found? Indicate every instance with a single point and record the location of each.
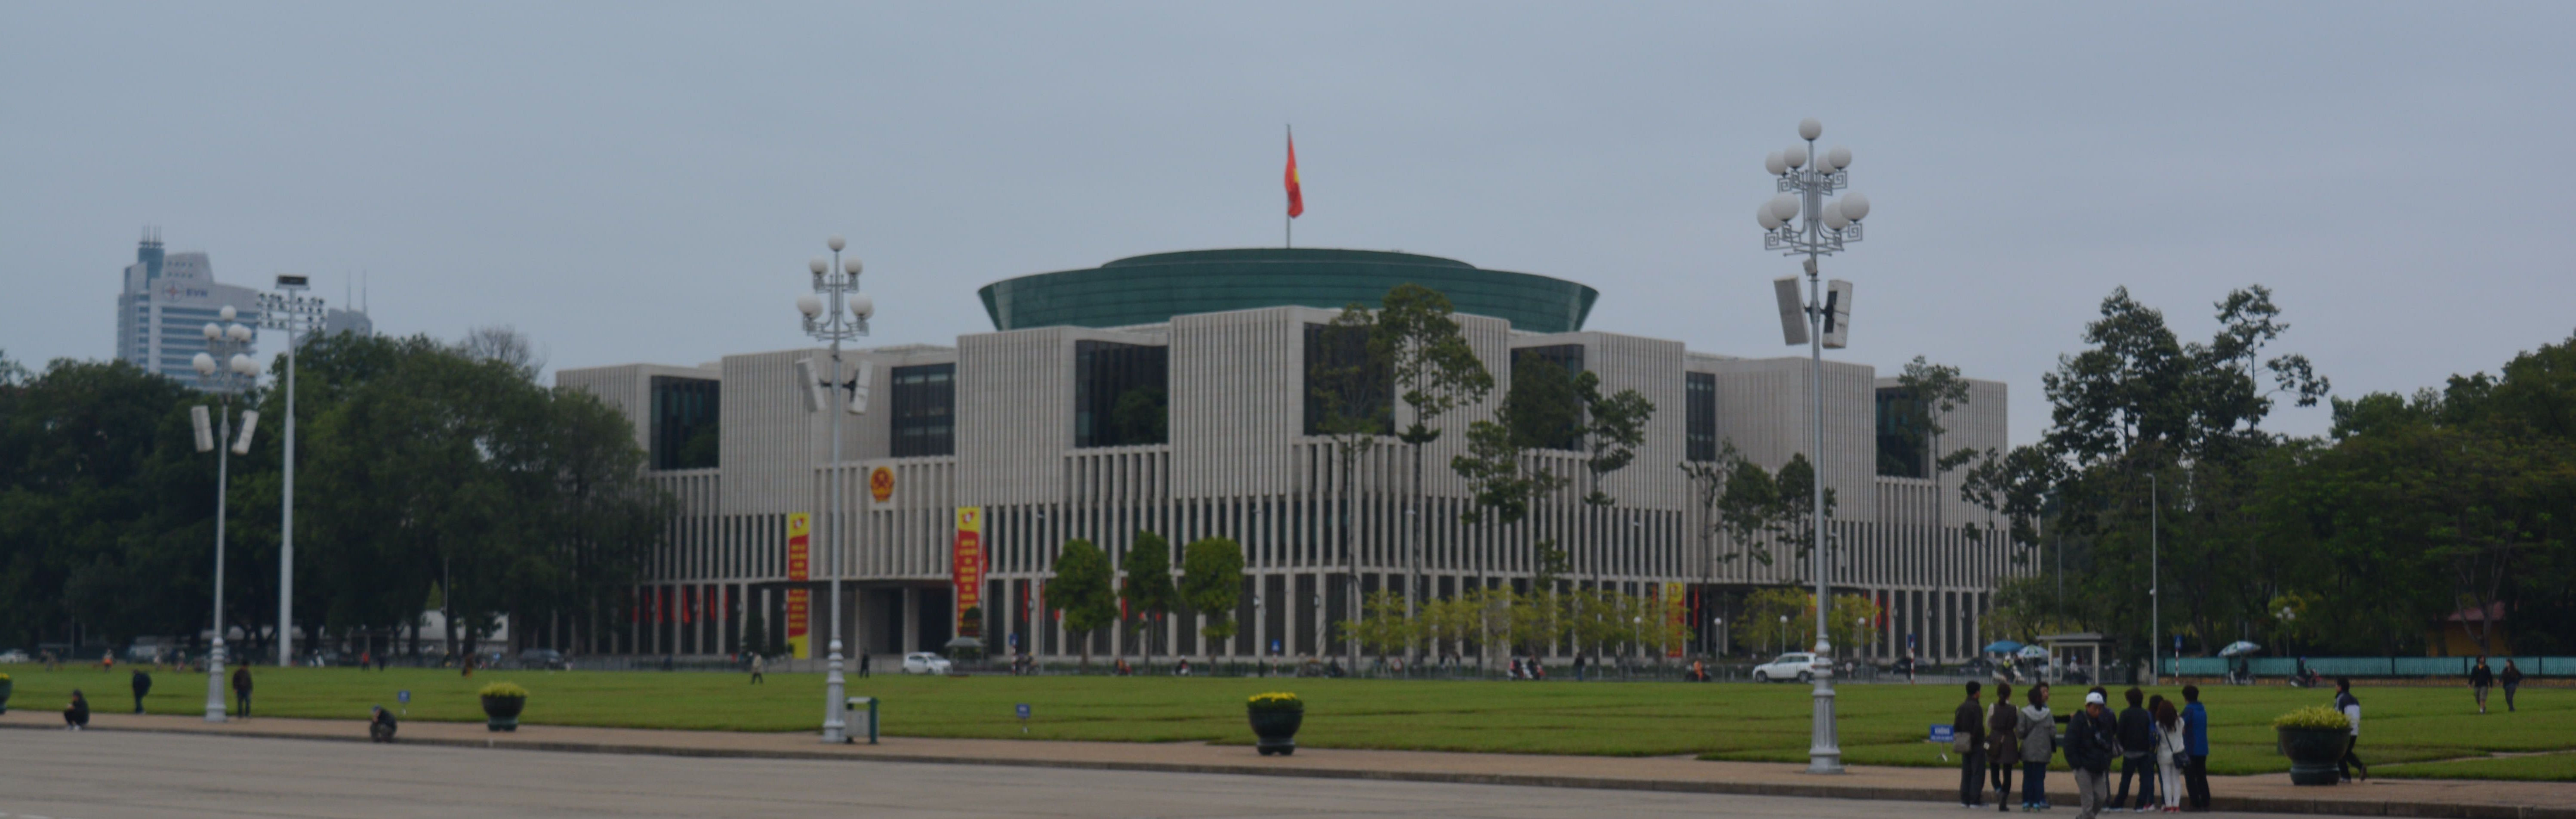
(1798, 220)
(225, 369)
(835, 312)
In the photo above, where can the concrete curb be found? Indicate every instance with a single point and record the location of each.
(2426, 810)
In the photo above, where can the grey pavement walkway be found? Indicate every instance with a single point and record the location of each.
(2266, 793)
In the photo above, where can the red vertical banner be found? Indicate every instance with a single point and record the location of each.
(966, 570)
(800, 531)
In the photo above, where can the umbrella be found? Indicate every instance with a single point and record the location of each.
(2002, 647)
(2035, 652)
(2239, 647)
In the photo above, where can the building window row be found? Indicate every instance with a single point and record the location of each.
(925, 410)
(1121, 394)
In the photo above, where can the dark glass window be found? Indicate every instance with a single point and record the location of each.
(1120, 394)
(1370, 392)
(1700, 392)
(925, 410)
(1903, 445)
(1568, 358)
(684, 434)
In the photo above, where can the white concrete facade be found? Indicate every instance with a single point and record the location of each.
(1236, 463)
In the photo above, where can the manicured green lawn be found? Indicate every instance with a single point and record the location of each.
(1881, 724)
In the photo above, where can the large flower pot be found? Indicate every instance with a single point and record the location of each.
(1277, 730)
(2312, 753)
(502, 713)
(5, 687)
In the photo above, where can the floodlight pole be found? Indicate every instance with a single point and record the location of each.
(840, 320)
(1819, 229)
(297, 315)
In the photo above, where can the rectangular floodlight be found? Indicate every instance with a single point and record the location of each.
(1793, 311)
(250, 421)
(1838, 296)
(812, 386)
(205, 428)
(859, 388)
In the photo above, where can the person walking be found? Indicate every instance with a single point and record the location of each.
(2038, 740)
(2092, 739)
(2481, 679)
(142, 686)
(76, 715)
(1968, 740)
(2170, 752)
(2003, 746)
(2137, 753)
(2512, 679)
(2351, 708)
(759, 665)
(241, 690)
(2195, 738)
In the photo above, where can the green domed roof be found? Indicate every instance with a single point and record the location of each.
(1151, 289)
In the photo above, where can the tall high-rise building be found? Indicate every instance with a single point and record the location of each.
(168, 300)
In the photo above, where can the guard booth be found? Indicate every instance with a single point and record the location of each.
(2062, 646)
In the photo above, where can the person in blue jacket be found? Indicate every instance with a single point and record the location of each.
(2195, 740)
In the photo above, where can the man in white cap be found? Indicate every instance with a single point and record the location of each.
(2091, 743)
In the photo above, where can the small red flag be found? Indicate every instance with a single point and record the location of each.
(1296, 194)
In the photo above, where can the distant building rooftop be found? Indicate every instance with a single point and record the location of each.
(1151, 289)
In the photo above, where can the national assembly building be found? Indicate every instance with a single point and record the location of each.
(1168, 393)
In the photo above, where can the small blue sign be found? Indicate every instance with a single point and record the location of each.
(1024, 711)
(1015, 639)
(403, 696)
(1274, 646)
(1943, 733)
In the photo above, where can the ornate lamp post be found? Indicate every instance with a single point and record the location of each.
(835, 312)
(224, 369)
(299, 315)
(1799, 221)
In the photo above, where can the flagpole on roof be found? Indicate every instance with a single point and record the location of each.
(1288, 221)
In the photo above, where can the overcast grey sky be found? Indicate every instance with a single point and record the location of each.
(644, 182)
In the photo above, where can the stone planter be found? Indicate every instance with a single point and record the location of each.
(2312, 753)
(502, 713)
(1277, 730)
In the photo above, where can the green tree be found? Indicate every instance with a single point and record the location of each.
(1350, 386)
(1212, 583)
(1384, 626)
(1504, 479)
(1779, 618)
(1435, 371)
(1080, 592)
(1148, 588)
(1614, 426)
(755, 633)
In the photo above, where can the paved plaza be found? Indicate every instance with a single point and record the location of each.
(151, 766)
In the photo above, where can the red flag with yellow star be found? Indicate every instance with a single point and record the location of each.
(1296, 195)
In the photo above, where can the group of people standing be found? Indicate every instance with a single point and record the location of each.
(2161, 748)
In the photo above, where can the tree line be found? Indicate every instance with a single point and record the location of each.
(2456, 500)
(427, 473)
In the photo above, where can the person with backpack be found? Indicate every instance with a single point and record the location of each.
(1968, 740)
(2003, 746)
(2351, 708)
(2092, 739)
(2137, 753)
(2038, 739)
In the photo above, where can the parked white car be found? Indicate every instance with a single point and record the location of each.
(923, 662)
(1791, 666)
